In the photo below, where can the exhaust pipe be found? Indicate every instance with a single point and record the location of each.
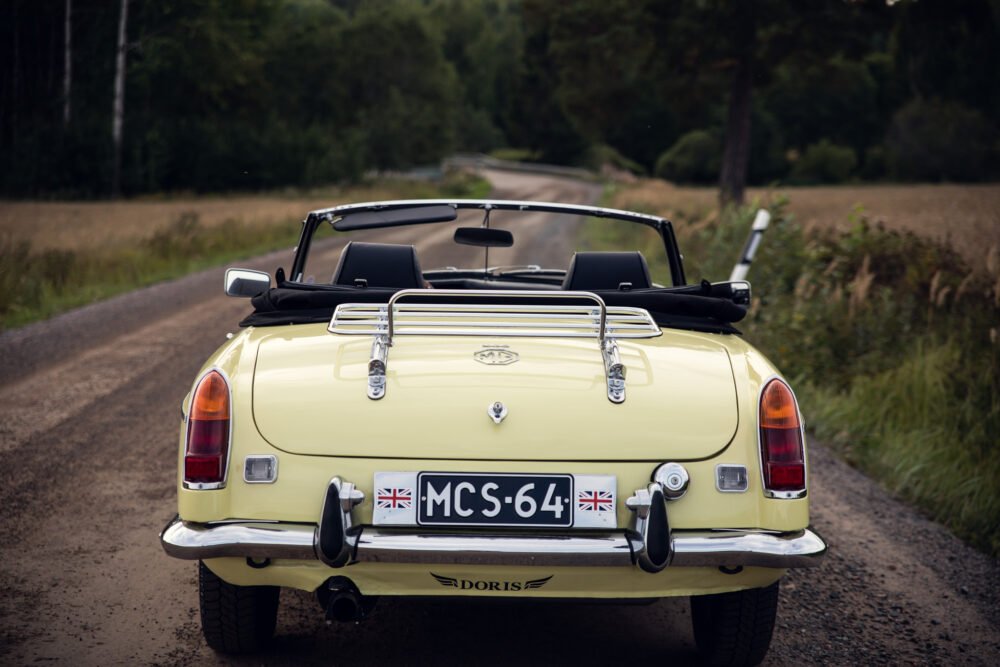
(343, 601)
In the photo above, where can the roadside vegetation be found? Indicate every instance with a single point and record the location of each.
(891, 339)
(40, 277)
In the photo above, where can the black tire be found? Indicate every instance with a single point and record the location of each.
(734, 628)
(236, 619)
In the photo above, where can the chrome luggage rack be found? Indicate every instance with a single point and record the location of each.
(592, 320)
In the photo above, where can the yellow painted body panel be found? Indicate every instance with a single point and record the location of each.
(565, 443)
(310, 397)
(566, 582)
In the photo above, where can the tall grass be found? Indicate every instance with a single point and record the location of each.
(37, 283)
(891, 340)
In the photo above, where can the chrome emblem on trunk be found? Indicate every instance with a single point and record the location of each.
(497, 412)
(496, 356)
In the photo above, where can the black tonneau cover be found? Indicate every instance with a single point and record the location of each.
(313, 303)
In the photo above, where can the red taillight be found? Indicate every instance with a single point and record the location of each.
(208, 431)
(781, 450)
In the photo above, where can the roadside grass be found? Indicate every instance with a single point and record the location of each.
(109, 252)
(962, 215)
(891, 339)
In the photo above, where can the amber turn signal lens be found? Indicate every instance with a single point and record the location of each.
(777, 407)
(207, 446)
(782, 450)
(211, 398)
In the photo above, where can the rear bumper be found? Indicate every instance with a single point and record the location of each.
(717, 548)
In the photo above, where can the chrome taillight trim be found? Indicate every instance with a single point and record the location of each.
(209, 486)
(768, 493)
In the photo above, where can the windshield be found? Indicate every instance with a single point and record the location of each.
(543, 247)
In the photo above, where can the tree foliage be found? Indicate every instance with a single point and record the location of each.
(247, 94)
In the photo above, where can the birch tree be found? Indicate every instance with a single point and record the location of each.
(118, 108)
(67, 63)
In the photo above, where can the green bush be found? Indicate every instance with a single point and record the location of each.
(694, 158)
(892, 342)
(824, 162)
(940, 141)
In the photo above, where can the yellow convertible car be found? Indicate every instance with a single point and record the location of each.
(596, 430)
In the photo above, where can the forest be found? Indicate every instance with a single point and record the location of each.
(108, 97)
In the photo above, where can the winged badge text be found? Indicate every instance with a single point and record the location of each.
(480, 585)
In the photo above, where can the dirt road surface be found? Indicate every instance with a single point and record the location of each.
(89, 409)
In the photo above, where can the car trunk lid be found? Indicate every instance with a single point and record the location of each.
(310, 397)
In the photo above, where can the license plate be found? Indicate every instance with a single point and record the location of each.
(494, 499)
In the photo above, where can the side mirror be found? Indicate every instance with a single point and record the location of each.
(246, 282)
(737, 291)
(484, 237)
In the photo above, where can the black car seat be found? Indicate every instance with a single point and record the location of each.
(378, 265)
(607, 271)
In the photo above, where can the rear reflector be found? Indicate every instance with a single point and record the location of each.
(781, 448)
(731, 478)
(260, 469)
(207, 445)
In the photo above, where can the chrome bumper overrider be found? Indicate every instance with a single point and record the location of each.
(650, 543)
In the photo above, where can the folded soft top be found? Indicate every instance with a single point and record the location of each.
(311, 304)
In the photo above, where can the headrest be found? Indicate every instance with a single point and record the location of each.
(379, 265)
(606, 271)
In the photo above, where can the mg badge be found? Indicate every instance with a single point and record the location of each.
(495, 356)
(497, 412)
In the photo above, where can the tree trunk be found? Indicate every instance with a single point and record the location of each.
(67, 63)
(736, 156)
(118, 109)
(15, 80)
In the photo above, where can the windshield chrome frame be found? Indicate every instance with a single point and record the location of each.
(335, 213)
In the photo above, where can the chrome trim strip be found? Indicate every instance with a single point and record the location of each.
(495, 204)
(192, 541)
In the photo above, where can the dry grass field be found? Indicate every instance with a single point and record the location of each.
(87, 225)
(59, 255)
(968, 216)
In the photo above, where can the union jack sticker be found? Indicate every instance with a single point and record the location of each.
(394, 498)
(594, 501)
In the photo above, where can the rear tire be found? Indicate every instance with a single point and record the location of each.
(734, 628)
(236, 619)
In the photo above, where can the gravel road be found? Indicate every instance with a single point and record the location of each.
(89, 408)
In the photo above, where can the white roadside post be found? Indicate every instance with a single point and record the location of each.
(760, 222)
